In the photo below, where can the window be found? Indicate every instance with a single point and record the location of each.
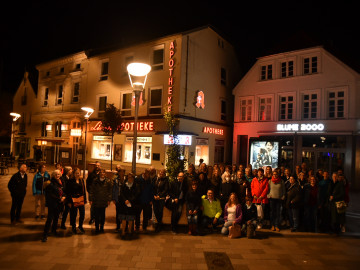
(47, 73)
(43, 129)
(310, 106)
(223, 76)
(46, 97)
(158, 58)
(104, 71)
(336, 103)
(223, 110)
(78, 66)
(58, 128)
(265, 107)
(286, 106)
(287, 69)
(60, 94)
(76, 124)
(126, 104)
(62, 70)
(266, 72)
(102, 106)
(155, 101)
(76, 93)
(246, 109)
(310, 65)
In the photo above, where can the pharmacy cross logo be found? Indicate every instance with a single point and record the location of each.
(200, 100)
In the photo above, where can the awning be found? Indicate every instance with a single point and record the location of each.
(179, 133)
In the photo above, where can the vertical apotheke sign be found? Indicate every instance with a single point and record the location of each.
(171, 76)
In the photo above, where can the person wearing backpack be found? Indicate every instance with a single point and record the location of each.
(40, 178)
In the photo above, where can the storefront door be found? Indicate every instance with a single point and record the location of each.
(326, 159)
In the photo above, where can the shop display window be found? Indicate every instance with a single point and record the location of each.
(143, 150)
(101, 150)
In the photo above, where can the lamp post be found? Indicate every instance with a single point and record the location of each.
(15, 116)
(89, 112)
(137, 75)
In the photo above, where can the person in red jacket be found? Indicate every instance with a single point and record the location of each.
(259, 191)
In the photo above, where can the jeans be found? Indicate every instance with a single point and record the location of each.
(65, 214)
(275, 212)
(192, 219)
(294, 217)
(158, 210)
(39, 204)
(310, 218)
(225, 228)
(206, 221)
(73, 215)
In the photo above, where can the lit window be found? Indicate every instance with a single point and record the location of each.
(265, 106)
(245, 109)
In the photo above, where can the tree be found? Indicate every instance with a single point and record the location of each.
(111, 124)
(174, 164)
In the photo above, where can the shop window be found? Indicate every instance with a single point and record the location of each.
(336, 104)
(126, 104)
(158, 58)
(202, 150)
(76, 93)
(102, 106)
(287, 69)
(266, 72)
(310, 65)
(310, 106)
(143, 151)
(46, 97)
(246, 105)
(155, 101)
(104, 73)
(265, 109)
(101, 148)
(60, 95)
(286, 106)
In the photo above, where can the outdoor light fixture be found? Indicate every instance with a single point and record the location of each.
(15, 116)
(89, 112)
(137, 75)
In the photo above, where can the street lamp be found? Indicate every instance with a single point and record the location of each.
(137, 75)
(15, 116)
(89, 112)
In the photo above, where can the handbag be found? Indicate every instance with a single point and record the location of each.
(260, 211)
(78, 201)
(234, 231)
(340, 207)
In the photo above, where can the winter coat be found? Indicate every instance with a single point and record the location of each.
(324, 191)
(17, 185)
(238, 213)
(294, 198)
(338, 193)
(193, 201)
(101, 192)
(53, 194)
(260, 189)
(176, 189)
(242, 186)
(91, 179)
(146, 190)
(117, 183)
(161, 187)
(214, 184)
(130, 193)
(38, 183)
(249, 213)
(75, 190)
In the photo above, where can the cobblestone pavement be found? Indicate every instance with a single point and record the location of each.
(21, 248)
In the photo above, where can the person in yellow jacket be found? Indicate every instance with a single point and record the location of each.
(211, 215)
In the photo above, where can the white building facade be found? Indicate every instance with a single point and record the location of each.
(305, 104)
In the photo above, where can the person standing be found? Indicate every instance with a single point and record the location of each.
(276, 196)
(100, 198)
(40, 178)
(65, 179)
(89, 181)
(118, 181)
(259, 190)
(176, 197)
(17, 187)
(293, 203)
(337, 194)
(76, 200)
(54, 197)
(193, 204)
(161, 189)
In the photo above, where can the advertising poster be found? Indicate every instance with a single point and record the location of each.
(264, 153)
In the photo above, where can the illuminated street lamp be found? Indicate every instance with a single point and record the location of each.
(15, 116)
(137, 75)
(89, 112)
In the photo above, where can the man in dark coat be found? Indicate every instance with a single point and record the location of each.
(161, 188)
(176, 199)
(64, 180)
(89, 181)
(17, 187)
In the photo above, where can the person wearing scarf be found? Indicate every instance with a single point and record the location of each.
(259, 190)
(276, 196)
(54, 199)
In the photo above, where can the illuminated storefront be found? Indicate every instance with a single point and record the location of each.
(143, 151)
(101, 148)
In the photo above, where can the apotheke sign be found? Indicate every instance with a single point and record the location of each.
(300, 127)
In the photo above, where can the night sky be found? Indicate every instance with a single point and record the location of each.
(38, 31)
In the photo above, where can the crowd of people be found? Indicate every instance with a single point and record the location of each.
(228, 199)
